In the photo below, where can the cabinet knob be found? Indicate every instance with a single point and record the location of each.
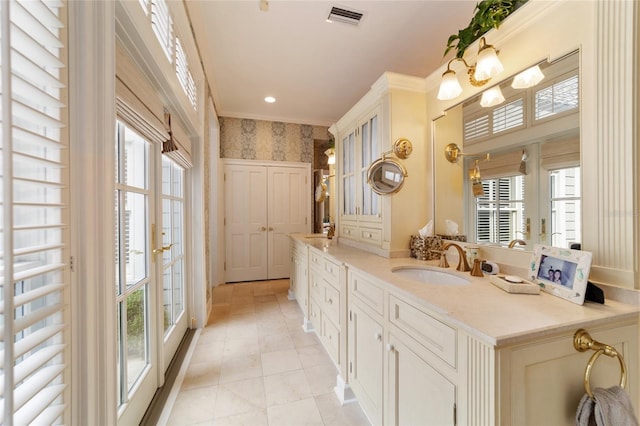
(379, 336)
(330, 301)
(390, 347)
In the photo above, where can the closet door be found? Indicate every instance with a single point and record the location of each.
(288, 212)
(246, 223)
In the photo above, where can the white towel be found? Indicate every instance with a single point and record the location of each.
(609, 407)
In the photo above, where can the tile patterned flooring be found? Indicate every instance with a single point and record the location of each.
(254, 365)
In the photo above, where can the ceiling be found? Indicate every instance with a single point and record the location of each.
(316, 70)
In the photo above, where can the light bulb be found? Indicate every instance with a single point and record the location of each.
(449, 86)
(492, 97)
(528, 78)
(488, 65)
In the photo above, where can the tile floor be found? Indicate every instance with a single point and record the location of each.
(253, 365)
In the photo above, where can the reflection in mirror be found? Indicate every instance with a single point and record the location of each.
(386, 176)
(531, 179)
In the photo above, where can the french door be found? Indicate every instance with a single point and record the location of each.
(149, 284)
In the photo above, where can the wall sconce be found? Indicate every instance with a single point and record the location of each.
(487, 67)
(331, 154)
(492, 97)
(528, 78)
(476, 183)
(453, 153)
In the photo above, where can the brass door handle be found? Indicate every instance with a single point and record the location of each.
(163, 248)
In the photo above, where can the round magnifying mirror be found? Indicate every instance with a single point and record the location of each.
(386, 176)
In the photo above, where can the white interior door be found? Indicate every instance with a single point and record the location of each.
(263, 205)
(288, 212)
(246, 223)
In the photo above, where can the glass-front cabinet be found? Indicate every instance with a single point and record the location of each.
(394, 108)
(360, 207)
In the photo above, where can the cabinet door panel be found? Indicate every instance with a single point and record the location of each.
(418, 394)
(367, 362)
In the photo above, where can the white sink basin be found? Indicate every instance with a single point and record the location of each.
(430, 276)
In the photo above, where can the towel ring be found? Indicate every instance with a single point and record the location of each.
(582, 342)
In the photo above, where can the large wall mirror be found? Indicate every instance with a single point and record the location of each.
(518, 176)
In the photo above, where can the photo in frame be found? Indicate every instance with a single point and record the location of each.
(561, 272)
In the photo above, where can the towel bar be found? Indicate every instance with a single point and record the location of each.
(582, 342)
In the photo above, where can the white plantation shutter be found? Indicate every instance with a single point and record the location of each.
(34, 172)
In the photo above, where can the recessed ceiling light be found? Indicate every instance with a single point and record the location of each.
(270, 99)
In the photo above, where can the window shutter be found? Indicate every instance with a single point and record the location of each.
(35, 274)
(561, 154)
(162, 26)
(137, 103)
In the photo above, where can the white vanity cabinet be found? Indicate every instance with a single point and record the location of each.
(394, 108)
(327, 304)
(410, 359)
(366, 344)
(300, 278)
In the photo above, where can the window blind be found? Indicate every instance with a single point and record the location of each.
(35, 274)
(501, 165)
(182, 155)
(137, 103)
(561, 154)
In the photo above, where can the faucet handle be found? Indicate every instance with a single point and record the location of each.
(476, 271)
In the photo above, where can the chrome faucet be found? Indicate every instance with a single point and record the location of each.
(463, 265)
(512, 243)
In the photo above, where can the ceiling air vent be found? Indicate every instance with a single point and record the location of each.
(343, 15)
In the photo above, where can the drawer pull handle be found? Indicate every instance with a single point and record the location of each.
(379, 336)
(390, 347)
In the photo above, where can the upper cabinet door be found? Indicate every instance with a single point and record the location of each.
(348, 172)
(370, 150)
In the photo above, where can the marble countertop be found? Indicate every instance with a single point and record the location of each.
(480, 308)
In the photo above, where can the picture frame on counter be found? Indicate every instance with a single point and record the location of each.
(561, 272)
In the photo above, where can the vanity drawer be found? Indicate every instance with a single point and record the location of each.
(367, 292)
(314, 313)
(331, 303)
(434, 335)
(371, 235)
(331, 270)
(315, 284)
(331, 339)
(348, 231)
(328, 268)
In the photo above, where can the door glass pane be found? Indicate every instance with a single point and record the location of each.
(137, 343)
(135, 237)
(500, 211)
(566, 206)
(172, 235)
(135, 160)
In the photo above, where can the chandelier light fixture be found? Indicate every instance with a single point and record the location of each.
(487, 67)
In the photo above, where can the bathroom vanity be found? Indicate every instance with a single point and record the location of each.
(452, 348)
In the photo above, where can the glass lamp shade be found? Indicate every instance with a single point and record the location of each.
(492, 97)
(331, 154)
(527, 78)
(488, 65)
(449, 86)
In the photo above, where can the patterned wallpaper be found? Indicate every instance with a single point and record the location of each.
(268, 140)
